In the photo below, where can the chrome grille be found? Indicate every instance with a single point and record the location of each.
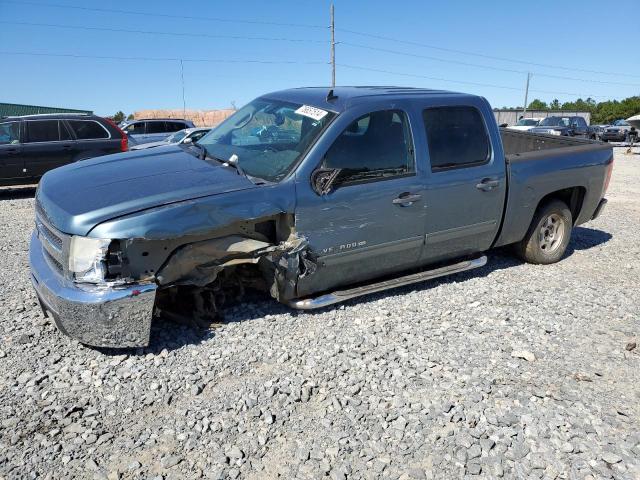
(55, 244)
(55, 263)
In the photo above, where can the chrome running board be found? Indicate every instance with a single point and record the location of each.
(342, 295)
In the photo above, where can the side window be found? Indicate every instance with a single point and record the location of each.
(174, 126)
(43, 131)
(156, 127)
(87, 129)
(198, 135)
(135, 128)
(65, 134)
(457, 137)
(375, 146)
(9, 133)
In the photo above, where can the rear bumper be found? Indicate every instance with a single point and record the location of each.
(599, 208)
(99, 316)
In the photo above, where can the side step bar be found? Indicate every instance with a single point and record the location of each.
(342, 295)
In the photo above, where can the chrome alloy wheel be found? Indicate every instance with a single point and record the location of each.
(551, 233)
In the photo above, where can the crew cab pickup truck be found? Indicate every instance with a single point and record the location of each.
(313, 195)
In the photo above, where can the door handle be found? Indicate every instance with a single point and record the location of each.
(405, 199)
(487, 184)
(67, 147)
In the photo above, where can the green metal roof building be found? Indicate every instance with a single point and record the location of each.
(15, 109)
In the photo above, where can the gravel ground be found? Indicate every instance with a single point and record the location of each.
(513, 370)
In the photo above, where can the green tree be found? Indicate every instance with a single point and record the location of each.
(130, 117)
(119, 116)
(538, 104)
(555, 104)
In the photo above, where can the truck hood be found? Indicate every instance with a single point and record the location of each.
(77, 197)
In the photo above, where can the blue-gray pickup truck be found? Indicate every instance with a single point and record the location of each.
(312, 195)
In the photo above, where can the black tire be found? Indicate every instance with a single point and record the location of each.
(549, 234)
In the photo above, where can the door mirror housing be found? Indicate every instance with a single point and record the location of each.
(188, 140)
(323, 179)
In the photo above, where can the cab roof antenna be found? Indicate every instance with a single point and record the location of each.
(331, 96)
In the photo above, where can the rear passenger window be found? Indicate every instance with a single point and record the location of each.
(174, 126)
(135, 128)
(376, 146)
(156, 127)
(87, 129)
(44, 131)
(457, 137)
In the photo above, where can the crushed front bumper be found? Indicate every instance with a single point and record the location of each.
(100, 316)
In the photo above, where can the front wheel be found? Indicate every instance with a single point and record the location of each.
(549, 234)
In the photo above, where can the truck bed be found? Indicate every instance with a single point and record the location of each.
(538, 165)
(515, 142)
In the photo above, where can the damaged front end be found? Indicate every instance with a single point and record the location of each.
(105, 292)
(201, 277)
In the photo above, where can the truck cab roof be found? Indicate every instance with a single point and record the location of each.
(343, 97)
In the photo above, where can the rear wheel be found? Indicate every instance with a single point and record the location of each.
(549, 234)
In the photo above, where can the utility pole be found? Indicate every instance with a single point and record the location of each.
(526, 94)
(333, 49)
(184, 105)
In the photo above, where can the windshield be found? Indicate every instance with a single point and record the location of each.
(527, 122)
(268, 136)
(620, 123)
(176, 137)
(556, 122)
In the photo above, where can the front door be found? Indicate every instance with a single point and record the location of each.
(48, 145)
(11, 161)
(371, 223)
(466, 185)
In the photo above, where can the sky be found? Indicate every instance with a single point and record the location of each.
(126, 55)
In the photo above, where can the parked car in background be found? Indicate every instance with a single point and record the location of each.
(153, 130)
(525, 124)
(370, 186)
(188, 135)
(598, 130)
(32, 145)
(618, 131)
(574, 126)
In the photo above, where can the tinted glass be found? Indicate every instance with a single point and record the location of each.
(457, 137)
(156, 127)
(65, 134)
(87, 129)
(9, 133)
(375, 146)
(135, 128)
(174, 126)
(43, 131)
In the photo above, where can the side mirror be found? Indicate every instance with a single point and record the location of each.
(322, 180)
(188, 140)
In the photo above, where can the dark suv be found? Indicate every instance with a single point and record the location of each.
(573, 126)
(32, 145)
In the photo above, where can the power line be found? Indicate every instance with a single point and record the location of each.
(476, 54)
(162, 59)
(488, 67)
(463, 82)
(155, 32)
(172, 16)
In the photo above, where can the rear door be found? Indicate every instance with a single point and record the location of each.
(158, 130)
(48, 145)
(92, 139)
(11, 160)
(466, 184)
(137, 131)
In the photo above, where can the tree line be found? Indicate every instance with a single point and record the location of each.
(601, 112)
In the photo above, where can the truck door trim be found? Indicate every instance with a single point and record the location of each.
(463, 231)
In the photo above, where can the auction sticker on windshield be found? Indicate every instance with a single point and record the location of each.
(311, 112)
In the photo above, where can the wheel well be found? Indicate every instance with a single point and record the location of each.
(572, 196)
